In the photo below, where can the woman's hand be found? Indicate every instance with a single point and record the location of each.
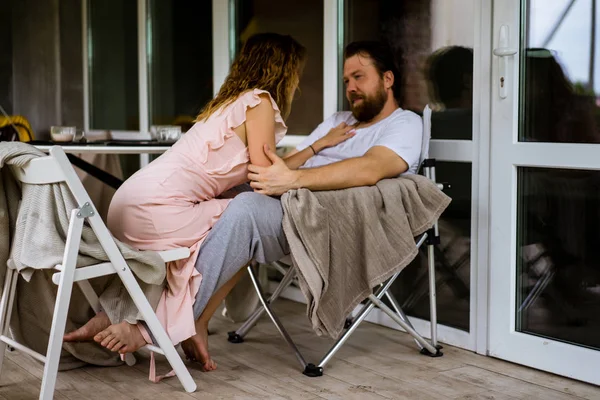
(335, 136)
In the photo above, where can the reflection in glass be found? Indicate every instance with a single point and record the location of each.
(303, 20)
(453, 257)
(560, 76)
(558, 263)
(179, 60)
(442, 78)
(449, 74)
(113, 64)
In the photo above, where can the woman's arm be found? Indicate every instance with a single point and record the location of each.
(260, 130)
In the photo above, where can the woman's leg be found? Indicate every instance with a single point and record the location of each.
(249, 229)
(196, 347)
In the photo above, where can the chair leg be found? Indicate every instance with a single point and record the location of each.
(346, 335)
(61, 308)
(432, 295)
(400, 313)
(4, 319)
(164, 342)
(238, 335)
(90, 295)
(362, 314)
(404, 325)
(276, 320)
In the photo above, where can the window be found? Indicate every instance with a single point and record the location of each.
(559, 73)
(179, 60)
(113, 64)
(303, 20)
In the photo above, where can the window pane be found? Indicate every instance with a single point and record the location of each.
(303, 20)
(560, 72)
(113, 64)
(558, 274)
(452, 256)
(434, 50)
(180, 60)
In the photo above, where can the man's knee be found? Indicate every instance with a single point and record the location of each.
(253, 208)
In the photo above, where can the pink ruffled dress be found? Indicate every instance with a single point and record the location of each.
(173, 203)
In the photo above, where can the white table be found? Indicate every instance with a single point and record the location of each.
(287, 141)
(104, 149)
(141, 150)
(74, 150)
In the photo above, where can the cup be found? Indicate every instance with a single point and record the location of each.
(62, 134)
(166, 133)
(79, 137)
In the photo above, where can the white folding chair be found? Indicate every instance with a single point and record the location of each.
(429, 238)
(56, 168)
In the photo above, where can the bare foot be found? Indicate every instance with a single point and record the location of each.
(94, 326)
(122, 337)
(196, 348)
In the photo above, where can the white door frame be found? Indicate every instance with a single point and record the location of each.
(509, 154)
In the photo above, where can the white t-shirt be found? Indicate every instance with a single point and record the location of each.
(401, 132)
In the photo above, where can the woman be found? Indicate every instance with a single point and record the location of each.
(175, 200)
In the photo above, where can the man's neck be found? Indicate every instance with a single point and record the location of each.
(390, 106)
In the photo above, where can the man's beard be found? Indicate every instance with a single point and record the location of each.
(370, 105)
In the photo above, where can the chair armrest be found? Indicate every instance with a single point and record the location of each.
(175, 254)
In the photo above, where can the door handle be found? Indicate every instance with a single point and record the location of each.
(503, 52)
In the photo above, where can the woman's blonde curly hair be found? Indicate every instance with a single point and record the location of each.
(268, 61)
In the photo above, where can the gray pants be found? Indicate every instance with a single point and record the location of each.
(249, 229)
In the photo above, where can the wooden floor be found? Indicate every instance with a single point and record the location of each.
(376, 363)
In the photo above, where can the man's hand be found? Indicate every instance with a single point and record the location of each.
(335, 136)
(274, 180)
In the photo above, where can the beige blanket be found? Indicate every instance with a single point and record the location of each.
(346, 242)
(32, 239)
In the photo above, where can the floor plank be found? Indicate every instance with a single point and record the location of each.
(505, 384)
(376, 363)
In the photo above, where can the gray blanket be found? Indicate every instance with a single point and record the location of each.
(346, 242)
(32, 239)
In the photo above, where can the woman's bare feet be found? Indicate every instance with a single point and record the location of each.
(122, 337)
(196, 348)
(94, 326)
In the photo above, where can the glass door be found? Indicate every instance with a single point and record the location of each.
(545, 186)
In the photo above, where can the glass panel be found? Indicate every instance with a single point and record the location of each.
(560, 76)
(558, 263)
(180, 60)
(113, 64)
(303, 20)
(433, 42)
(453, 257)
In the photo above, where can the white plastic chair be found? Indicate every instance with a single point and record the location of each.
(429, 238)
(56, 168)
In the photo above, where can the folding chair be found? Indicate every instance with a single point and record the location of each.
(429, 238)
(56, 168)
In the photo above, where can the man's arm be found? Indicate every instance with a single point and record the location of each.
(378, 163)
